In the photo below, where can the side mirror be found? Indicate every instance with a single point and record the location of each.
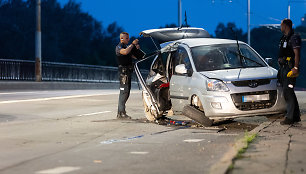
(269, 61)
(181, 69)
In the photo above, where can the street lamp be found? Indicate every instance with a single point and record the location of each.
(179, 13)
(248, 19)
(296, 1)
(249, 22)
(38, 75)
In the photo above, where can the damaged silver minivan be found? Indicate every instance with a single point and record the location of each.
(207, 79)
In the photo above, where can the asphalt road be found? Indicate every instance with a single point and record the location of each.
(76, 131)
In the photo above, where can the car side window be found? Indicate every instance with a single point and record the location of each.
(181, 57)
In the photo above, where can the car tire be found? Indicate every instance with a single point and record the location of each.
(150, 113)
(197, 115)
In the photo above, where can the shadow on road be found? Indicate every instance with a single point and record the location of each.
(229, 125)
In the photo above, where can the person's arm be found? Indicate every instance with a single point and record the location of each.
(295, 69)
(126, 51)
(296, 45)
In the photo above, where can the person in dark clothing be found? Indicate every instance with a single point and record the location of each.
(289, 59)
(124, 53)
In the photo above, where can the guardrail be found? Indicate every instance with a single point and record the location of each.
(51, 71)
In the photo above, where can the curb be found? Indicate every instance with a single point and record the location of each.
(221, 167)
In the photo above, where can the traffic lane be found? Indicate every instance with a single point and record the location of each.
(96, 102)
(74, 103)
(61, 104)
(133, 147)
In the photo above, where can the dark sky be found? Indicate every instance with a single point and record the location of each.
(137, 15)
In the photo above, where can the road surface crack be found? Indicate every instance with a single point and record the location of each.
(287, 154)
(266, 126)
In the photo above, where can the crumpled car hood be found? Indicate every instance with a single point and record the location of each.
(242, 74)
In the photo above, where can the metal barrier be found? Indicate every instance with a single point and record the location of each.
(17, 70)
(51, 71)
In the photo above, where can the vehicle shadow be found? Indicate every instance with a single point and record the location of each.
(179, 123)
(235, 125)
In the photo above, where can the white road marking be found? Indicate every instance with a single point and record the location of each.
(139, 153)
(193, 140)
(97, 161)
(58, 98)
(59, 170)
(121, 140)
(9, 93)
(94, 113)
(51, 98)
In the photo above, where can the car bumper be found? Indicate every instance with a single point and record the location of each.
(222, 105)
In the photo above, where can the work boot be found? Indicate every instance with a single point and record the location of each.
(123, 115)
(286, 121)
(298, 119)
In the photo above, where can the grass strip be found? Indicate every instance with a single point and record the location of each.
(246, 140)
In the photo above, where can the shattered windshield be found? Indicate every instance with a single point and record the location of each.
(224, 56)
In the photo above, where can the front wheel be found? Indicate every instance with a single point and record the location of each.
(197, 115)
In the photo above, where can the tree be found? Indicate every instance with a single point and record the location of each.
(169, 26)
(52, 19)
(17, 27)
(229, 32)
(266, 42)
(68, 34)
(78, 30)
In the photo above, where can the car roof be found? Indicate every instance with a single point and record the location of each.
(163, 35)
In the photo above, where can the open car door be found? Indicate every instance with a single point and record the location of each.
(155, 88)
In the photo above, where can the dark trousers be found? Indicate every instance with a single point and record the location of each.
(125, 74)
(293, 110)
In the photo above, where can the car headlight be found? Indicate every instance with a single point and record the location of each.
(216, 85)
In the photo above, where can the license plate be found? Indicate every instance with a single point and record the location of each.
(254, 98)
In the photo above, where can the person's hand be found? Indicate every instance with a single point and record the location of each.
(294, 71)
(135, 42)
(138, 46)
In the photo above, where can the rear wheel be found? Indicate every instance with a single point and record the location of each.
(150, 111)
